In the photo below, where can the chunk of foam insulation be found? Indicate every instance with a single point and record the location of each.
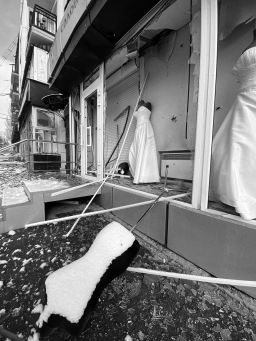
(70, 288)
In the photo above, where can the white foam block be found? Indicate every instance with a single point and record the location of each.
(70, 288)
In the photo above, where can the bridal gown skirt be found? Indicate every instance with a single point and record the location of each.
(233, 171)
(143, 155)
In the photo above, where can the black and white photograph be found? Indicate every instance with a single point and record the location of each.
(128, 170)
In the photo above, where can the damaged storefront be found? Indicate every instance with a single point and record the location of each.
(161, 51)
(168, 57)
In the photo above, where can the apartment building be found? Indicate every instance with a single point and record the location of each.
(41, 126)
(14, 95)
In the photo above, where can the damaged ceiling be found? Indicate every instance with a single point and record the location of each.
(174, 17)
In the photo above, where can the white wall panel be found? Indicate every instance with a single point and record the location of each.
(167, 89)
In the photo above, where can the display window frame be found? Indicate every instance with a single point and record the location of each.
(53, 132)
(206, 98)
(205, 115)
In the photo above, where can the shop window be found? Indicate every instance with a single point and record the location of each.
(45, 119)
(167, 49)
(76, 131)
(45, 141)
(232, 187)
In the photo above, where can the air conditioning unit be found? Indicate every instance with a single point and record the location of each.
(180, 164)
(45, 162)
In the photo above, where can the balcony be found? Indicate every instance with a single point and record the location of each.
(32, 95)
(35, 66)
(34, 83)
(43, 25)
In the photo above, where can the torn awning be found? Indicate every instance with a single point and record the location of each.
(103, 24)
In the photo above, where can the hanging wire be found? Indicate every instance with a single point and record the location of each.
(127, 109)
(165, 190)
(111, 174)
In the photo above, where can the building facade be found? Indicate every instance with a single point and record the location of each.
(40, 126)
(14, 95)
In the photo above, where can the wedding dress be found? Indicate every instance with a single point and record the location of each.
(233, 172)
(142, 154)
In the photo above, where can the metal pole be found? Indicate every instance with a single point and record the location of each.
(89, 214)
(11, 145)
(214, 280)
(116, 164)
(129, 126)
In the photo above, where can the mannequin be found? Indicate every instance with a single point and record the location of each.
(143, 154)
(233, 151)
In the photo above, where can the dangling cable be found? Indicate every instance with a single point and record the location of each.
(115, 166)
(120, 138)
(165, 190)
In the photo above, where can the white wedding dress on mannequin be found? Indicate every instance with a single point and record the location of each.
(233, 172)
(143, 155)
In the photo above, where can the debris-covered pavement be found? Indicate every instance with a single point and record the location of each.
(133, 306)
(12, 175)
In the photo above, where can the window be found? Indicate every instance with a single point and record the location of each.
(45, 140)
(45, 119)
(232, 188)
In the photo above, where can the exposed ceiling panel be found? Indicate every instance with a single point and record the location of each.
(177, 15)
(173, 18)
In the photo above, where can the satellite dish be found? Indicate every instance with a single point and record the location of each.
(55, 101)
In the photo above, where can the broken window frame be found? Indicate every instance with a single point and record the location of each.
(206, 99)
(206, 96)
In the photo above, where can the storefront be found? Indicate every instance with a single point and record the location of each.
(175, 51)
(43, 129)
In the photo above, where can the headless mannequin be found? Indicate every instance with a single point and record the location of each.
(143, 154)
(145, 104)
(233, 149)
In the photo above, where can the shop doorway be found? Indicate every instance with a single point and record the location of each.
(92, 110)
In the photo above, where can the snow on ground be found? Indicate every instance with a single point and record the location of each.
(133, 306)
(141, 307)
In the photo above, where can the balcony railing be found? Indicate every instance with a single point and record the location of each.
(46, 155)
(44, 20)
